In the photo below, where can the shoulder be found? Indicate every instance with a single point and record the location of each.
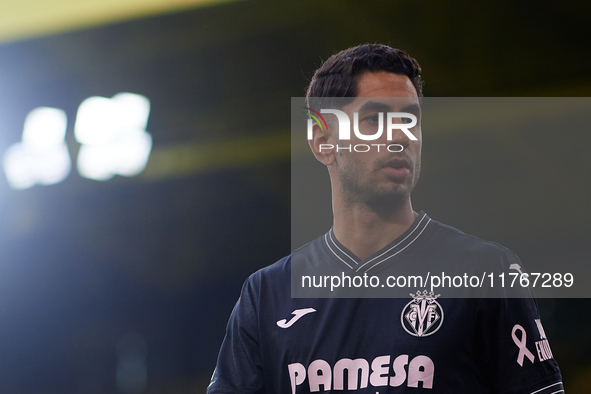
(279, 273)
(461, 253)
(452, 239)
(269, 281)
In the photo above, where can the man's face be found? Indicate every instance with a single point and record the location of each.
(381, 178)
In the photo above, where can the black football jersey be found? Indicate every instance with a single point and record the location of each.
(423, 343)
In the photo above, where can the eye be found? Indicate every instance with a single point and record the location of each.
(407, 119)
(375, 118)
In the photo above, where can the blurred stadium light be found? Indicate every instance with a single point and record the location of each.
(112, 133)
(42, 155)
(113, 136)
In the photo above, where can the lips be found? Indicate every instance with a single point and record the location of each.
(397, 168)
(398, 162)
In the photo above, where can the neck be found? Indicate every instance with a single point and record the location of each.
(364, 230)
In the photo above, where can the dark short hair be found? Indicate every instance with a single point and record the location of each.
(338, 76)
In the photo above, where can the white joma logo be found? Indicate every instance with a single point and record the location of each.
(297, 314)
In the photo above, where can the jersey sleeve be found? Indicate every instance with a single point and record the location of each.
(513, 348)
(239, 368)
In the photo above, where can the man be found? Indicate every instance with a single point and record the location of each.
(279, 344)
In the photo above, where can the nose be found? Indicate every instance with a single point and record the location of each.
(400, 139)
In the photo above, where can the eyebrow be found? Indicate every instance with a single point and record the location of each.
(412, 108)
(375, 106)
(382, 107)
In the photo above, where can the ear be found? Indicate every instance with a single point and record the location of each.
(323, 145)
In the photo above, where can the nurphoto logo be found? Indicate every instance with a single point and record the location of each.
(402, 121)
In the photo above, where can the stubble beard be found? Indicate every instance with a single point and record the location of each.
(360, 186)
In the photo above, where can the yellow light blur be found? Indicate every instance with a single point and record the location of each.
(20, 19)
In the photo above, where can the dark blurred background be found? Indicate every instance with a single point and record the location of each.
(125, 285)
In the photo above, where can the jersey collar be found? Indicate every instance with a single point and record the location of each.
(342, 256)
